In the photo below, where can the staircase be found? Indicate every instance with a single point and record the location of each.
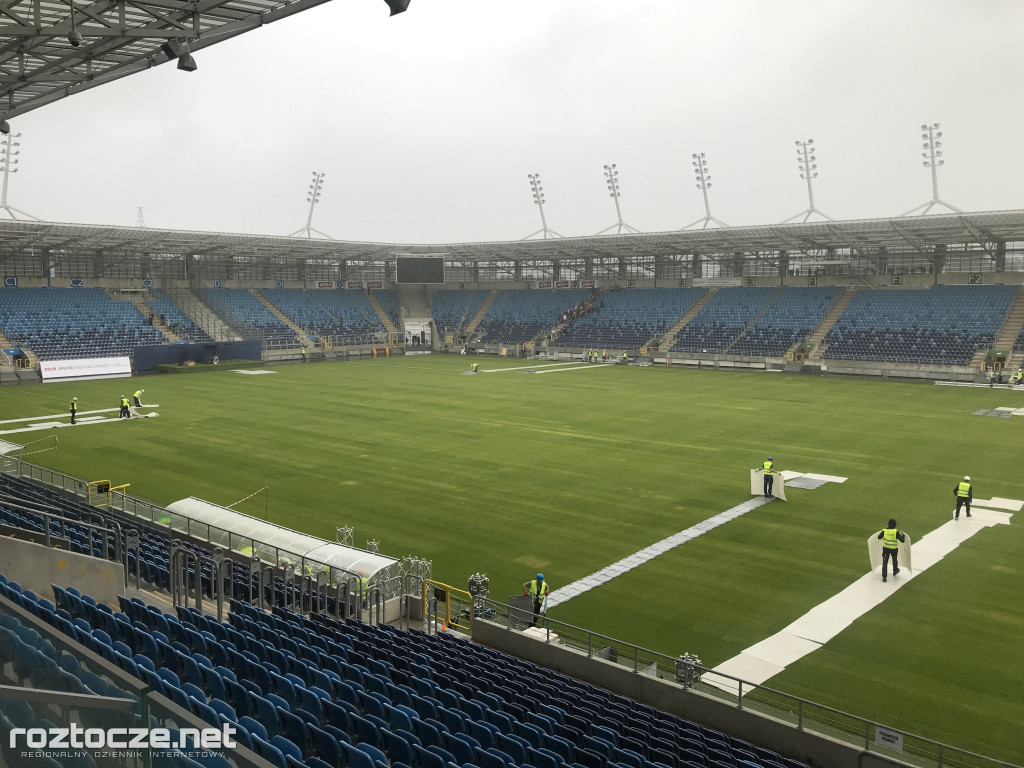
(754, 320)
(669, 337)
(6, 343)
(381, 314)
(201, 314)
(826, 325)
(481, 313)
(146, 310)
(301, 334)
(1007, 336)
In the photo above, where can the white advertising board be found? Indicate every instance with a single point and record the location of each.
(85, 368)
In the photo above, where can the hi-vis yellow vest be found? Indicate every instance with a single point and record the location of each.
(889, 540)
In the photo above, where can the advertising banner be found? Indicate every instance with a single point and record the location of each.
(85, 368)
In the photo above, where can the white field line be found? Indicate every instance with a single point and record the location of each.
(67, 414)
(579, 367)
(603, 576)
(574, 363)
(765, 659)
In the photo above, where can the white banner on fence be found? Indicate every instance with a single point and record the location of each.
(887, 738)
(716, 282)
(86, 368)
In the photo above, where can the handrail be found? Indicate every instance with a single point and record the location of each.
(65, 698)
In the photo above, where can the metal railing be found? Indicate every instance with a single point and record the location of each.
(798, 712)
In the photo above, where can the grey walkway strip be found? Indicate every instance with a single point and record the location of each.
(577, 588)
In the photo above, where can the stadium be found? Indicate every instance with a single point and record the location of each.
(346, 464)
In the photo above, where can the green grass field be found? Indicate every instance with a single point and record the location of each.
(510, 473)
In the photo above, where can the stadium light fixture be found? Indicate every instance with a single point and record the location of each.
(185, 61)
(316, 187)
(75, 37)
(8, 165)
(397, 6)
(611, 175)
(538, 199)
(932, 155)
(5, 127)
(703, 175)
(807, 162)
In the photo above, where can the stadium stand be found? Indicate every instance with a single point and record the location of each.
(516, 317)
(453, 310)
(629, 318)
(791, 316)
(246, 314)
(314, 688)
(66, 323)
(174, 317)
(305, 311)
(353, 310)
(944, 324)
(722, 319)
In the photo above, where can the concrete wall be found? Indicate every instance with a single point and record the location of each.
(670, 697)
(36, 567)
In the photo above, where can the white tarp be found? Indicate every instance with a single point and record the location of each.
(875, 552)
(85, 368)
(286, 540)
(757, 484)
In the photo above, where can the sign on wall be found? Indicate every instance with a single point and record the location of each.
(631, 283)
(10, 281)
(147, 282)
(85, 368)
(544, 284)
(356, 284)
(561, 284)
(77, 282)
(377, 284)
(587, 284)
(218, 283)
(324, 283)
(279, 283)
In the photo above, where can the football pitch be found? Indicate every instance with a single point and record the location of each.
(510, 472)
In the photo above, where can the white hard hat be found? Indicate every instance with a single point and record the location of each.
(967, 477)
(74, 398)
(142, 390)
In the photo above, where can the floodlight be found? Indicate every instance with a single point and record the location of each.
(5, 127)
(186, 63)
(75, 38)
(397, 6)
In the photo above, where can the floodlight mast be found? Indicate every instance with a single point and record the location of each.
(611, 175)
(315, 190)
(932, 159)
(9, 158)
(808, 171)
(538, 199)
(700, 170)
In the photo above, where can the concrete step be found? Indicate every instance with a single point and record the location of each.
(481, 313)
(381, 313)
(826, 325)
(669, 337)
(301, 334)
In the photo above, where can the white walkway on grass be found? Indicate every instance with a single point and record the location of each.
(765, 659)
(82, 419)
(587, 583)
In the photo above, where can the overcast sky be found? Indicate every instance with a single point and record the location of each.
(428, 123)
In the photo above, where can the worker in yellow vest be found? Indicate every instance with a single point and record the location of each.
(125, 405)
(138, 397)
(74, 408)
(964, 493)
(539, 590)
(891, 538)
(768, 467)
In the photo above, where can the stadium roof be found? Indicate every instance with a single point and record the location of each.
(39, 63)
(923, 233)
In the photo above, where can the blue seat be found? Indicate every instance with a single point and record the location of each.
(485, 758)
(427, 759)
(355, 758)
(325, 745)
(254, 727)
(294, 729)
(399, 747)
(373, 753)
(365, 731)
(265, 712)
(542, 759)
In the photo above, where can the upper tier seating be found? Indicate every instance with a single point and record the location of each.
(353, 309)
(629, 318)
(68, 323)
(516, 317)
(305, 311)
(454, 310)
(246, 314)
(722, 319)
(944, 324)
(793, 314)
(176, 319)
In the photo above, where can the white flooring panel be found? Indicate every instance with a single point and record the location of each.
(1010, 505)
(828, 619)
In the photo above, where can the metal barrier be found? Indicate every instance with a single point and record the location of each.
(181, 558)
(444, 593)
(797, 712)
